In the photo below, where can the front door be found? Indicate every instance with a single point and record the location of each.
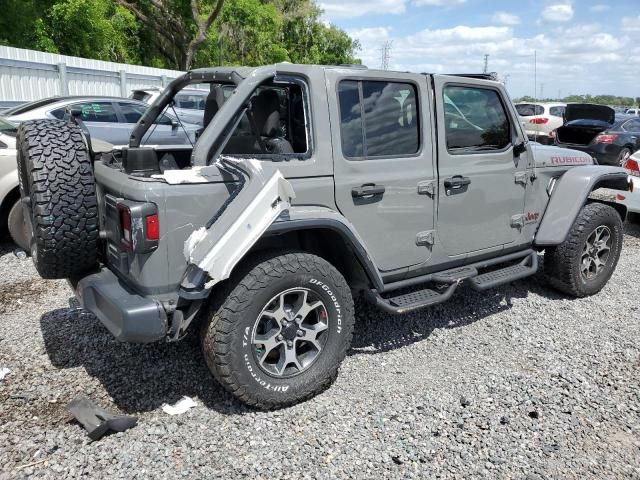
(482, 180)
(382, 158)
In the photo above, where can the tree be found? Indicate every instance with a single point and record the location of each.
(178, 29)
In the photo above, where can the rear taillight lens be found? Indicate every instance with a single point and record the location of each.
(605, 138)
(632, 167)
(125, 226)
(152, 227)
(539, 121)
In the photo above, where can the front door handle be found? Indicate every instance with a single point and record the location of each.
(367, 190)
(457, 181)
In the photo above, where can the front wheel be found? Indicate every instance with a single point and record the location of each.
(280, 332)
(584, 262)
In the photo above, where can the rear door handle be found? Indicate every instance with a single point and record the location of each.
(367, 190)
(457, 181)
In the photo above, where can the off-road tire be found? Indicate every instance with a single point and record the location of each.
(562, 263)
(225, 337)
(56, 179)
(17, 227)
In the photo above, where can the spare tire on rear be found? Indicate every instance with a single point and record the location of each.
(58, 192)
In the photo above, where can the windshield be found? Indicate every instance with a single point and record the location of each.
(7, 128)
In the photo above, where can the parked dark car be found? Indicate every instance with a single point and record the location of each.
(594, 129)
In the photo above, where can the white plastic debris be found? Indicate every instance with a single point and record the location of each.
(21, 254)
(181, 406)
(4, 372)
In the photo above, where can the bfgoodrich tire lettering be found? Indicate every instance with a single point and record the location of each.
(56, 178)
(227, 340)
(564, 264)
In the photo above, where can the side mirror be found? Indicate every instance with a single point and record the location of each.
(519, 149)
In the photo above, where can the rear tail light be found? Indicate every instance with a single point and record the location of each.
(632, 167)
(138, 226)
(125, 225)
(539, 121)
(152, 229)
(605, 138)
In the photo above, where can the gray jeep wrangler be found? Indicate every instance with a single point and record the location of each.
(309, 186)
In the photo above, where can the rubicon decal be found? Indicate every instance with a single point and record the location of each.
(570, 160)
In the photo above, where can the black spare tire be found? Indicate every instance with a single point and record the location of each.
(58, 192)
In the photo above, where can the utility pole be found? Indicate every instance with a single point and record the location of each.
(486, 63)
(385, 55)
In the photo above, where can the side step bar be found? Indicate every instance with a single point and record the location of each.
(416, 300)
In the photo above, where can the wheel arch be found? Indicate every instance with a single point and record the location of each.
(571, 193)
(329, 238)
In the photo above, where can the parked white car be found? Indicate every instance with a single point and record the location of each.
(539, 120)
(632, 111)
(632, 199)
(11, 219)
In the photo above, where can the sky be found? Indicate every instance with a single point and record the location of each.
(580, 46)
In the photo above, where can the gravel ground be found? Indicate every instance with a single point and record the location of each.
(519, 382)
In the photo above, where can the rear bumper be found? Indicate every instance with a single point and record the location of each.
(128, 316)
(605, 154)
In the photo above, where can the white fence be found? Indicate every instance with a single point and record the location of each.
(31, 75)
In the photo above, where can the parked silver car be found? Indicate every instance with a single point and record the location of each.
(108, 118)
(188, 104)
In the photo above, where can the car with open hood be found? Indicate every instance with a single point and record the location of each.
(594, 129)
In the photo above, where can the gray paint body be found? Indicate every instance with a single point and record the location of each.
(467, 227)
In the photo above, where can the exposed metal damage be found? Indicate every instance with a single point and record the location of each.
(234, 229)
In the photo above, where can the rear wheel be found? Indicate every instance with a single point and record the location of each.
(623, 156)
(584, 262)
(59, 197)
(280, 332)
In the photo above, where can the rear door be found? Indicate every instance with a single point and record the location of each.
(482, 181)
(383, 163)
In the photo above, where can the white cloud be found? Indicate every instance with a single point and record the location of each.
(353, 8)
(562, 12)
(505, 18)
(631, 24)
(437, 3)
(563, 63)
(599, 8)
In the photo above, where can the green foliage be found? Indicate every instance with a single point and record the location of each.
(246, 32)
(611, 100)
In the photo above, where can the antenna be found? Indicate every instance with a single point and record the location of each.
(486, 63)
(385, 54)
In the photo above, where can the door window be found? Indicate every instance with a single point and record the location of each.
(378, 119)
(133, 112)
(190, 101)
(632, 126)
(475, 120)
(92, 112)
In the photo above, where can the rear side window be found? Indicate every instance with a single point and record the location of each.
(529, 109)
(475, 119)
(632, 125)
(556, 111)
(378, 119)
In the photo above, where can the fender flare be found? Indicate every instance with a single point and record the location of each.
(311, 217)
(570, 194)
